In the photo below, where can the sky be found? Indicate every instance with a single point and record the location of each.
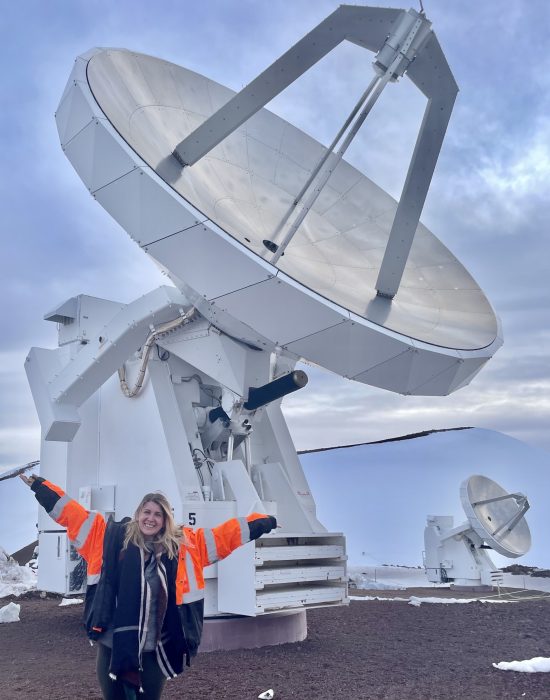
(489, 201)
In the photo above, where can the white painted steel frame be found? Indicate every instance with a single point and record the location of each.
(59, 390)
(367, 27)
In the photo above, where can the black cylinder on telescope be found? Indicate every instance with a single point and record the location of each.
(262, 395)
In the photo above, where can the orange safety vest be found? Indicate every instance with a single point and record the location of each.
(198, 548)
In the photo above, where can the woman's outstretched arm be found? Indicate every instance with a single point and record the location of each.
(85, 529)
(218, 542)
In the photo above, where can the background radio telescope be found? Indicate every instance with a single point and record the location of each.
(495, 521)
(496, 515)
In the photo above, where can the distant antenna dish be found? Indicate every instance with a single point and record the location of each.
(273, 237)
(495, 521)
(496, 515)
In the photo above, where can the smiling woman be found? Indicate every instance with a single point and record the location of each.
(145, 594)
(153, 522)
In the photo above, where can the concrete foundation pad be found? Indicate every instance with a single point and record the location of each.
(472, 589)
(253, 632)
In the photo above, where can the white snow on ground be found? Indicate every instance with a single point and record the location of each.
(539, 664)
(365, 584)
(10, 613)
(376, 597)
(362, 581)
(14, 579)
(70, 601)
(381, 577)
(414, 600)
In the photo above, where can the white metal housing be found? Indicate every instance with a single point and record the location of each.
(116, 448)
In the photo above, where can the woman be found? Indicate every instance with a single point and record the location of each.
(145, 594)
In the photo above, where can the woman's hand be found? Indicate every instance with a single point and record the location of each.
(29, 480)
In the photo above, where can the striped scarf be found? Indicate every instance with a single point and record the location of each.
(131, 617)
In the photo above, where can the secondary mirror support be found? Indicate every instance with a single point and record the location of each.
(410, 37)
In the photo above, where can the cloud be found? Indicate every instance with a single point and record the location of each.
(331, 411)
(524, 174)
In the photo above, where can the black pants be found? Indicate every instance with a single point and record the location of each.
(152, 678)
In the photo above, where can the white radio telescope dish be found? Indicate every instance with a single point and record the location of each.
(496, 515)
(495, 521)
(246, 184)
(272, 236)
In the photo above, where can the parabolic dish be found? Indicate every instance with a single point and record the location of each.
(491, 520)
(205, 225)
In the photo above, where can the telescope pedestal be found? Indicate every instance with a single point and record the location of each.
(482, 588)
(225, 633)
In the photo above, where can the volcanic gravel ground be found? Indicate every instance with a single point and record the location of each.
(371, 649)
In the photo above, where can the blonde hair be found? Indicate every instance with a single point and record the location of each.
(169, 536)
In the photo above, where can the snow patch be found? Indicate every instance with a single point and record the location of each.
(538, 664)
(10, 613)
(418, 601)
(370, 597)
(414, 600)
(14, 579)
(267, 695)
(362, 582)
(70, 601)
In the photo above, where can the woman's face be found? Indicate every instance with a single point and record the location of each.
(150, 519)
